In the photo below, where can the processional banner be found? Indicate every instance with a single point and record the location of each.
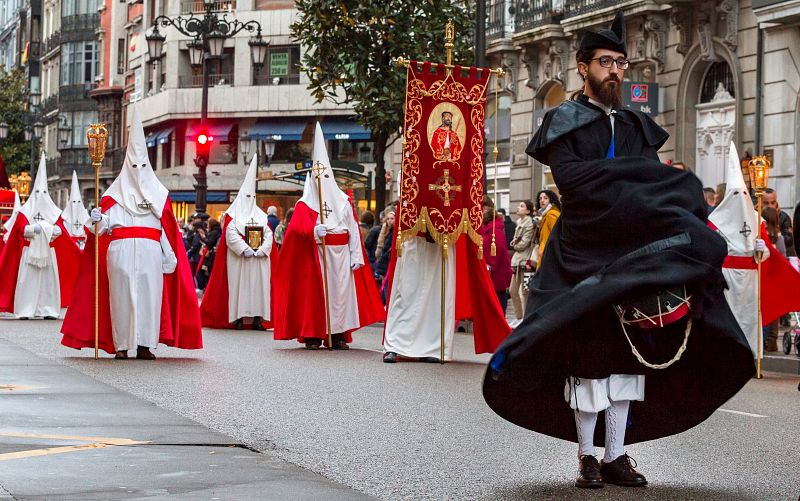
(442, 175)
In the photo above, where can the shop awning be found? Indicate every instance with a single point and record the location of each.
(279, 129)
(163, 136)
(345, 129)
(212, 197)
(150, 140)
(220, 130)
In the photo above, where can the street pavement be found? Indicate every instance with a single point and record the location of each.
(404, 431)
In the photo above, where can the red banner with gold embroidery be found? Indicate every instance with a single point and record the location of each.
(441, 183)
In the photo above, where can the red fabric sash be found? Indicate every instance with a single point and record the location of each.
(337, 239)
(740, 262)
(135, 232)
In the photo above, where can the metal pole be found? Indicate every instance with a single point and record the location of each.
(759, 342)
(201, 186)
(319, 170)
(480, 34)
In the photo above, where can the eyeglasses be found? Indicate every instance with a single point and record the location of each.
(605, 62)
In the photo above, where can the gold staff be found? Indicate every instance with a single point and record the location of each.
(318, 169)
(97, 136)
(758, 168)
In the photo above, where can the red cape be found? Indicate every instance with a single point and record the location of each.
(475, 296)
(780, 284)
(180, 315)
(214, 308)
(68, 257)
(300, 307)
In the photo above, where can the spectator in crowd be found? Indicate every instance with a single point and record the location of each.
(679, 165)
(499, 265)
(771, 200)
(371, 242)
(522, 243)
(196, 236)
(366, 224)
(386, 231)
(773, 224)
(710, 195)
(280, 230)
(272, 218)
(549, 211)
(383, 254)
(509, 226)
(209, 253)
(721, 187)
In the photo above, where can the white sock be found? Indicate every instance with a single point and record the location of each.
(584, 424)
(616, 421)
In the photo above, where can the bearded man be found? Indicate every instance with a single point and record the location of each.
(631, 229)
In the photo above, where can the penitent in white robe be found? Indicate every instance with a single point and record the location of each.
(341, 286)
(136, 268)
(38, 292)
(248, 277)
(413, 322)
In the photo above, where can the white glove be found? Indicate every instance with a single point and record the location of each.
(96, 215)
(259, 253)
(320, 231)
(761, 246)
(249, 253)
(356, 266)
(37, 228)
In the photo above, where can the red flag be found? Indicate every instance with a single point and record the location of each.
(780, 284)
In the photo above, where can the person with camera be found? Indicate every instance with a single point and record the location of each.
(521, 264)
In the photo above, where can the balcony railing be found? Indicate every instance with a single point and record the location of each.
(574, 8)
(75, 158)
(80, 22)
(214, 79)
(268, 80)
(49, 104)
(192, 6)
(52, 42)
(530, 14)
(77, 92)
(496, 20)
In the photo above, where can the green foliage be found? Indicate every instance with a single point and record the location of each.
(350, 47)
(15, 150)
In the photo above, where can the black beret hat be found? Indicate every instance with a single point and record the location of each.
(613, 39)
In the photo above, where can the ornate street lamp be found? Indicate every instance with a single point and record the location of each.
(208, 34)
(64, 132)
(35, 99)
(244, 146)
(28, 135)
(3, 130)
(269, 149)
(38, 129)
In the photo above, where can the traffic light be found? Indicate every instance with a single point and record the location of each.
(202, 146)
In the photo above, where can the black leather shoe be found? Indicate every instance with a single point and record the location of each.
(429, 360)
(589, 474)
(239, 324)
(389, 357)
(313, 343)
(622, 472)
(144, 353)
(257, 324)
(339, 343)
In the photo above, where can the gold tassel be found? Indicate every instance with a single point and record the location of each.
(399, 245)
(494, 246)
(480, 252)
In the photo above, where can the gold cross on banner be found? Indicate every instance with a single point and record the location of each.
(444, 187)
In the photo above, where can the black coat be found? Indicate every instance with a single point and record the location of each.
(630, 226)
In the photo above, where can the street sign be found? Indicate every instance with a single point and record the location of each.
(641, 96)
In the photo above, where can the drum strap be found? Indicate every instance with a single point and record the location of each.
(677, 356)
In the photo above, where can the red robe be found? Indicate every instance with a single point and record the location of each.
(300, 307)
(68, 257)
(439, 139)
(180, 314)
(475, 296)
(214, 308)
(780, 284)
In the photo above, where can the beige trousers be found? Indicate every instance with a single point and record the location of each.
(519, 295)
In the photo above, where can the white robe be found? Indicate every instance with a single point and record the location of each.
(248, 277)
(136, 268)
(413, 322)
(341, 286)
(38, 292)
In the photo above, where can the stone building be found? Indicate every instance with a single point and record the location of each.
(709, 72)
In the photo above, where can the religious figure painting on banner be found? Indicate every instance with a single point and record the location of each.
(446, 132)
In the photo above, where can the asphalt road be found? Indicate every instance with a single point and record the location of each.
(422, 431)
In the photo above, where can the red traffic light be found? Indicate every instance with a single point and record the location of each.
(204, 138)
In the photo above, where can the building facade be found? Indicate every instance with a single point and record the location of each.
(695, 68)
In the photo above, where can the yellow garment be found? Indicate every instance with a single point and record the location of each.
(545, 227)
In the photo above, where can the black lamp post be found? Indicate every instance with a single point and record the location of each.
(208, 41)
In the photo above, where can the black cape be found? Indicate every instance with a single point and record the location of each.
(630, 226)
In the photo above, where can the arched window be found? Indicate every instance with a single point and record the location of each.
(718, 73)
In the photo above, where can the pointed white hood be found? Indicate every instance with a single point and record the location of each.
(137, 184)
(75, 214)
(735, 216)
(39, 202)
(333, 198)
(244, 210)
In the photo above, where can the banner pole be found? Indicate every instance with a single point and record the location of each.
(759, 342)
(443, 296)
(97, 136)
(318, 169)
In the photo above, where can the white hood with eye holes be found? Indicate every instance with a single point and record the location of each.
(137, 188)
(244, 210)
(39, 202)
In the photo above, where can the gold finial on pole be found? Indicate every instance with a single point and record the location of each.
(97, 138)
(758, 168)
(317, 170)
(449, 40)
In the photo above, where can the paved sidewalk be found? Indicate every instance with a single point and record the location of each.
(65, 435)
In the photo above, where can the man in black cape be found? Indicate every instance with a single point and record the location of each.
(630, 228)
